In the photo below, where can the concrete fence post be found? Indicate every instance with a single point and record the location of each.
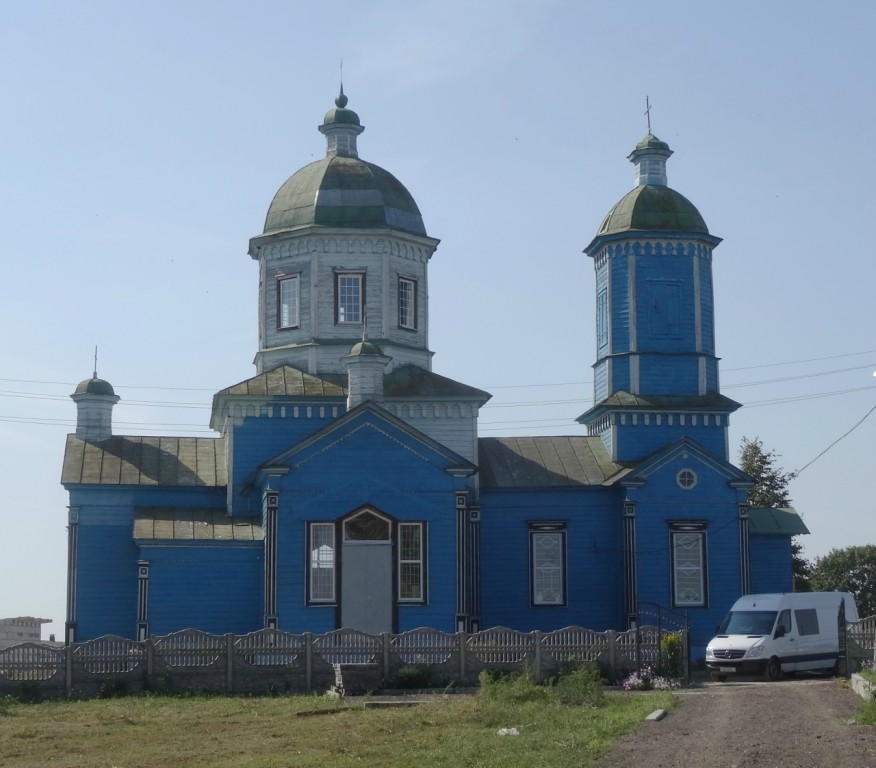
(150, 662)
(462, 660)
(68, 669)
(229, 662)
(537, 638)
(386, 639)
(308, 661)
(611, 637)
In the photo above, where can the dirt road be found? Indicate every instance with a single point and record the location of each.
(787, 724)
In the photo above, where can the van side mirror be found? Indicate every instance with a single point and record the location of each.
(780, 632)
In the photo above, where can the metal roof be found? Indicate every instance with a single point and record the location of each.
(340, 191)
(775, 521)
(288, 381)
(544, 462)
(653, 208)
(187, 524)
(175, 461)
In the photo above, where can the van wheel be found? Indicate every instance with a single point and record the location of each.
(773, 669)
(718, 678)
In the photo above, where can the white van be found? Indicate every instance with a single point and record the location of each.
(771, 634)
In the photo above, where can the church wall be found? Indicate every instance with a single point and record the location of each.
(637, 439)
(256, 439)
(771, 564)
(668, 375)
(106, 563)
(106, 581)
(711, 502)
(665, 303)
(594, 561)
(212, 586)
(451, 424)
(389, 476)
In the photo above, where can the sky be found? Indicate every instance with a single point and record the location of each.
(142, 144)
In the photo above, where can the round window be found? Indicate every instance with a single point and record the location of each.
(687, 479)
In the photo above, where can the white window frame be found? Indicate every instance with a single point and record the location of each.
(417, 562)
(319, 565)
(407, 305)
(688, 553)
(287, 315)
(349, 312)
(547, 574)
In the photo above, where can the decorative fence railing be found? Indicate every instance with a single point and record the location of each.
(273, 660)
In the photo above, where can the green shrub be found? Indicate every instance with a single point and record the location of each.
(499, 685)
(111, 689)
(414, 676)
(671, 650)
(580, 688)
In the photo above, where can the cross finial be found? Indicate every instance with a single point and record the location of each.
(648, 113)
(95, 361)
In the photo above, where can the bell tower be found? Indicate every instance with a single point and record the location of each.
(656, 372)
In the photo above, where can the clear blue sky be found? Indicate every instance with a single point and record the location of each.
(142, 144)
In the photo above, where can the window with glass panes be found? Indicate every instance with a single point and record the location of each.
(548, 563)
(287, 302)
(411, 585)
(349, 298)
(321, 587)
(688, 567)
(407, 303)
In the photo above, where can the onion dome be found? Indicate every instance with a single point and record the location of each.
(366, 347)
(652, 205)
(341, 190)
(94, 386)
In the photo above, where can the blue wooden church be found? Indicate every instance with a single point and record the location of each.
(347, 485)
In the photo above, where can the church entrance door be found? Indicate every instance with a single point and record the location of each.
(366, 573)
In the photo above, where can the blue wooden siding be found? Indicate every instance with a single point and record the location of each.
(106, 584)
(771, 565)
(594, 560)
(212, 586)
(712, 501)
(259, 438)
(635, 442)
(346, 474)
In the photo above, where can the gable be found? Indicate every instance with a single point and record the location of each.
(689, 453)
(364, 431)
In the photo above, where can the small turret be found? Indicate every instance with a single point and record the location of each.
(94, 400)
(366, 364)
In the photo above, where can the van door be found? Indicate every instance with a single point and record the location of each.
(784, 643)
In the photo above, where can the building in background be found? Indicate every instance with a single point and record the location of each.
(348, 487)
(22, 629)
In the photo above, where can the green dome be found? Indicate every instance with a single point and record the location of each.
(366, 347)
(94, 386)
(653, 208)
(340, 191)
(341, 114)
(650, 141)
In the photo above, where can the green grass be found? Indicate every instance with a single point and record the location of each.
(866, 714)
(262, 732)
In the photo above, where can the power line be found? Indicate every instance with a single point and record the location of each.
(797, 473)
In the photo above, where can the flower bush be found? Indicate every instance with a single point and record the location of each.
(646, 680)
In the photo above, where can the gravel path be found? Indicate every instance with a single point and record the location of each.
(787, 724)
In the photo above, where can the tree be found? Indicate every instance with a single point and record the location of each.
(852, 569)
(771, 490)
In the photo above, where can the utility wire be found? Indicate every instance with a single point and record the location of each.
(797, 473)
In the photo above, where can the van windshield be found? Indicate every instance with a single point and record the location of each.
(748, 623)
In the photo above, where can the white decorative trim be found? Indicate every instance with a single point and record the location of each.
(351, 433)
